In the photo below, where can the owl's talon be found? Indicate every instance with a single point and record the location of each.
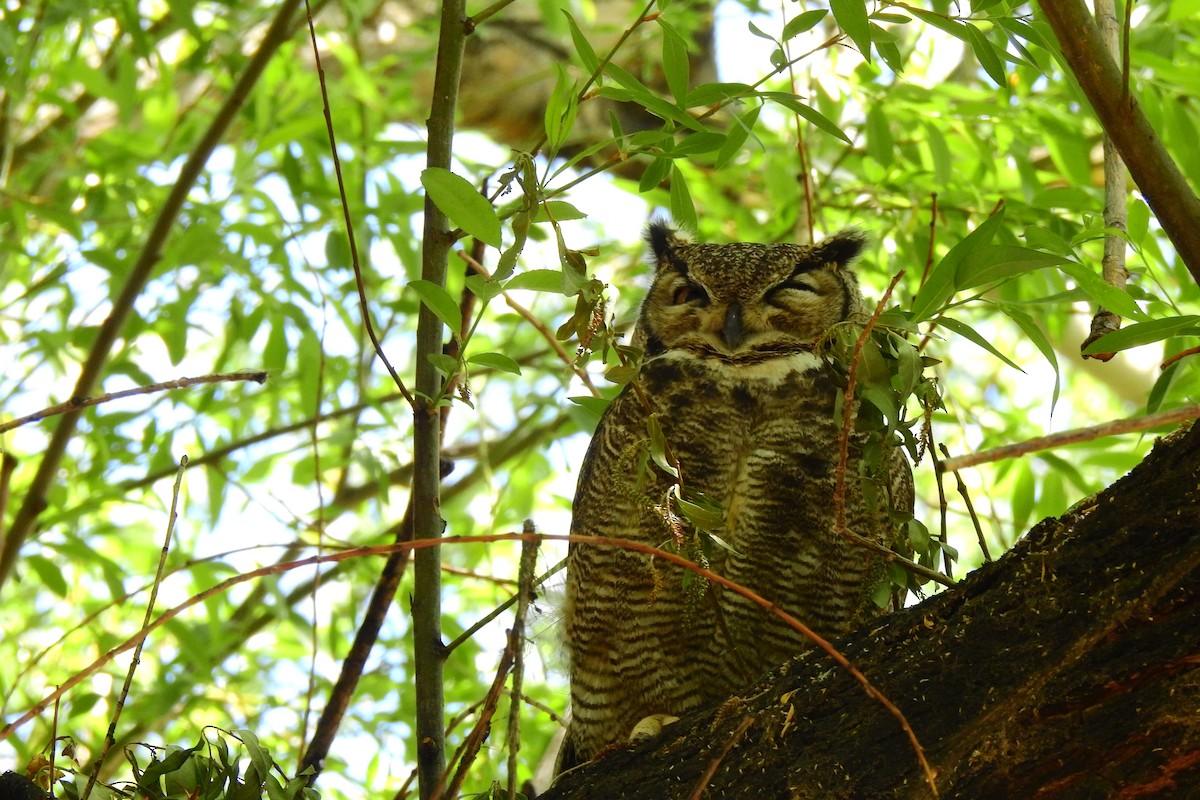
(650, 727)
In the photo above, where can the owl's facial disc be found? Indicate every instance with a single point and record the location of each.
(745, 303)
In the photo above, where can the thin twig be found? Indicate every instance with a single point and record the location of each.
(475, 21)
(356, 658)
(943, 508)
(1191, 351)
(711, 769)
(181, 383)
(962, 490)
(529, 548)
(478, 734)
(1088, 434)
(318, 483)
(933, 213)
(364, 308)
(500, 609)
(111, 735)
(804, 221)
(53, 748)
(8, 463)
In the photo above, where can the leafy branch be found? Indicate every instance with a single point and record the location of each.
(36, 495)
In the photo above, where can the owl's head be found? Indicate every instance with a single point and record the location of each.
(745, 302)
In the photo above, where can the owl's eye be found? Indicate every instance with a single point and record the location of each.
(797, 282)
(689, 293)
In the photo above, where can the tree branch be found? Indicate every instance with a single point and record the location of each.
(427, 519)
(1162, 184)
(1075, 436)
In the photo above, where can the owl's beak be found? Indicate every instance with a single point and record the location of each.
(733, 333)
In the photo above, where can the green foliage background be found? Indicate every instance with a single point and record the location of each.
(965, 103)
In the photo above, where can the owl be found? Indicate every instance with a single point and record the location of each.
(733, 410)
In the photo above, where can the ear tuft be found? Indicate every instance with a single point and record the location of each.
(662, 239)
(841, 248)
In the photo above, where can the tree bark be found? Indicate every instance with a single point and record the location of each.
(1068, 668)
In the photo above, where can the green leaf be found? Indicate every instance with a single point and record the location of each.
(447, 365)
(538, 280)
(696, 143)
(943, 168)
(675, 61)
(439, 301)
(559, 117)
(583, 48)
(1023, 496)
(174, 334)
(803, 22)
(702, 517)
(656, 172)
(1139, 220)
(851, 16)
(941, 285)
(1141, 333)
(558, 210)
(1162, 386)
(993, 262)
(483, 288)
(638, 93)
(985, 51)
(465, 206)
(1038, 337)
(1103, 293)
(738, 132)
(307, 365)
(596, 405)
(970, 334)
(809, 113)
(682, 208)
(496, 361)
(708, 93)
(508, 258)
(759, 32)
(880, 144)
(945, 24)
(50, 574)
(658, 446)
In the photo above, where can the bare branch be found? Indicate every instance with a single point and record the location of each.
(181, 383)
(1115, 214)
(1114, 428)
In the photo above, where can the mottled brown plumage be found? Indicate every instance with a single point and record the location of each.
(747, 409)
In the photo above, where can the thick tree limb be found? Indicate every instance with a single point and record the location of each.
(1162, 184)
(1068, 668)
